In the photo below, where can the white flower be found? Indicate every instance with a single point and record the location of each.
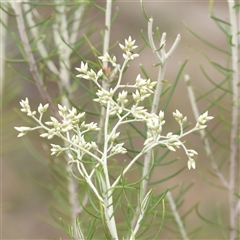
(83, 68)
(49, 135)
(118, 149)
(107, 58)
(62, 110)
(149, 139)
(130, 55)
(191, 163)
(122, 97)
(204, 118)
(25, 105)
(114, 136)
(179, 117)
(129, 45)
(56, 149)
(104, 96)
(90, 126)
(22, 130)
(161, 115)
(191, 152)
(99, 73)
(42, 109)
(139, 112)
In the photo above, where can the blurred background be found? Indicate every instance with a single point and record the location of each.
(25, 201)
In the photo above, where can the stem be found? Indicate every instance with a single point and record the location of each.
(156, 98)
(105, 182)
(103, 124)
(105, 64)
(234, 129)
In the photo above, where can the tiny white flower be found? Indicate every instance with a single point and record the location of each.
(25, 105)
(171, 148)
(99, 73)
(122, 97)
(105, 58)
(191, 164)
(22, 130)
(83, 68)
(31, 113)
(204, 118)
(56, 149)
(136, 96)
(42, 109)
(161, 115)
(118, 149)
(178, 116)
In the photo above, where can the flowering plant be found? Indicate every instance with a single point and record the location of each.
(126, 103)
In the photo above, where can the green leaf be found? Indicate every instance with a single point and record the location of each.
(210, 182)
(169, 177)
(217, 86)
(206, 42)
(145, 39)
(174, 85)
(143, 10)
(22, 74)
(209, 222)
(162, 221)
(97, 6)
(219, 24)
(115, 15)
(220, 20)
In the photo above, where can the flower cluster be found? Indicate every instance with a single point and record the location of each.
(70, 119)
(26, 107)
(115, 102)
(128, 48)
(202, 120)
(144, 89)
(89, 75)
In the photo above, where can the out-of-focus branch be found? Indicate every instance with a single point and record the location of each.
(177, 216)
(17, 7)
(35, 33)
(61, 37)
(203, 133)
